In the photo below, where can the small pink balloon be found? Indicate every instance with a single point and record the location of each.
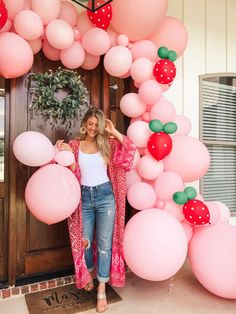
(96, 41)
(141, 70)
(146, 117)
(68, 13)
(6, 27)
(13, 7)
(47, 10)
(64, 158)
(141, 196)
(224, 212)
(141, 151)
(60, 34)
(184, 125)
(52, 193)
(163, 110)
(160, 204)
(131, 106)
(150, 92)
(174, 209)
(139, 133)
(27, 5)
(35, 45)
(188, 230)
(73, 57)
(118, 60)
(132, 177)
(144, 49)
(135, 119)
(137, 85)
(90, 62)
(167, 184)
(122, 40)
(77, 33)
(113, 37)
(50, 52)
(149, 168)
(214, 213)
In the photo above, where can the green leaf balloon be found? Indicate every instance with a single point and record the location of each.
(180, 198)
(163, 52)
(155, 125)
(172, 55)
(190, 192)
(170, 127)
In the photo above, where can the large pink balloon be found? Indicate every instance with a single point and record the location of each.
(118, 60)
(141, 196)
(47, 10)
(139, 133)
(150, 92)
(149, 168)
(163, 110)
(167, 184)
(136, 19)
(13, 7)
(90, 62)
(131, 105)
(212, 255)
(155, 245)
(68, 13)
(50, 52)
(52, 193)
(132, 177)
(28, 24)
(96, 41)
(33, 149)
(16, 56)
(171, 34)
(189, 158)
(73, 57)
(144, 49)
(141, 70)
(60, 34)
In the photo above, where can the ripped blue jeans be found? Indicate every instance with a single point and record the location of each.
(98, 211)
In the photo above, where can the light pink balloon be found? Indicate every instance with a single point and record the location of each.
(144, 49)
(77, 33)
(150, 92)
(224, 212)
(73, 56)
(171, 34)
(84, 22)
(214, 213)
(64, 158)
(27, 5)
(174, 209)
(33, 149)
(184, 125)
(160, 204)
(118, 60)
(6, 27)
(146, 117)
(155, 245)
(136, 159)
(60, 34)
(35, 45)
(163, 110)
(141, 196)
(52, 193)
(28, 24)
(139, 133)
(50, 52)
(188, 230)
(149, 168)
(47, 10)
(136, 20)
(131, 106)
(122, 40)
(90, 62)
(135, 119)
(167, 184)
(16, 56)
(68, 13)
(213, 258)
(189, 158)
(132, 177)
(141, 70)
(113, 37)
(96, 41)
(13, 7)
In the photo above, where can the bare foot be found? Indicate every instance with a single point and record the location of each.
(101, 298)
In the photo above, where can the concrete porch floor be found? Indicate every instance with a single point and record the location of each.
(181, 294)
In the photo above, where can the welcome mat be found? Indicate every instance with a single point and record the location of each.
(66, 300)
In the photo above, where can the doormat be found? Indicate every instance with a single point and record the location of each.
(66, 300)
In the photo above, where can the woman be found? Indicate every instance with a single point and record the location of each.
(100, 166)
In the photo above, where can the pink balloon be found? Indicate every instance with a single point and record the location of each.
(33, 149)
(96, 41)
(144, 49)
(16, 56)
(136, 20)
(188, 230)
(90, 62)
(171, 34)
(149, 168)
(132, 177)
(77, 33)
(27, 5)
(214, 213)
(13, 7)
(139, 133)
(224, 212)
(167, 184)
(52, 193)
(189, 158)
(68, 13)
(160, 204)
(141, 70)
(174, 209)
(47, 10)
(28, 24)
(64, 158)
(35, 45)
(184, 125)
(141, 196)
(113, 37)
(131, 106)
(118, 60)
(60, 34)
(73, 57)
(136, 159)
(155, 245)
(6, 27)
(163, 110)
(137, 85)
(84, 22)
(146, 117)
(122, 40)
(150, 92)
(213, 258)
(50, 52)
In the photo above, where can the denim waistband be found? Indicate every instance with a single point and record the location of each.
(96, 187)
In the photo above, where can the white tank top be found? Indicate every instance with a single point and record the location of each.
(93, 169)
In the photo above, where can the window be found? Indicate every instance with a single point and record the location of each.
(218, 133)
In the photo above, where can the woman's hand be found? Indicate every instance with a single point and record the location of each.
(109, 126)
(63, 146)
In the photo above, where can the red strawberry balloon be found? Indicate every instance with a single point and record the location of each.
(196, 212)
(164, 71)
(3, 14)
(159, 145)
(101, 17)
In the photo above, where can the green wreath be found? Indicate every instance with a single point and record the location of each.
(44, 100)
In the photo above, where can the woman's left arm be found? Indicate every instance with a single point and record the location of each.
(109, 127)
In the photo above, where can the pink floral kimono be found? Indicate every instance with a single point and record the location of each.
(121, 162)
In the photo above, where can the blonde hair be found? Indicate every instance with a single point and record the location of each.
(102, 136)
